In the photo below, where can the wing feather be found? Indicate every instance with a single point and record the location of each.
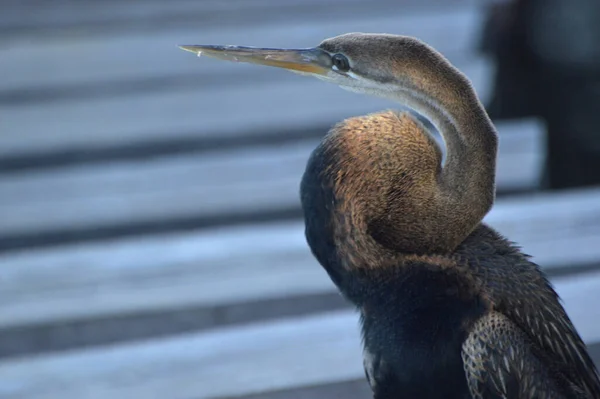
(500, 364)
(518, 289)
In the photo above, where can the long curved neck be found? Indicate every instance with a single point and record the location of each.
(466, 184)
(469, 135)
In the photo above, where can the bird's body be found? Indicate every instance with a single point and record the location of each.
(449, 308)
(426, 318)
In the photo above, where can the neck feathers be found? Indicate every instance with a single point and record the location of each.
(389, 195)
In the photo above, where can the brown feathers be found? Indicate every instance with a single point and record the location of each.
(519, 290)
(449, 308)
(370, 178)
(499, 363)
(387, 190)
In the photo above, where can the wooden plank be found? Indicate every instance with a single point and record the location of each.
(233, 265)
(244, 360)
(520, 140)
(245, 180)
(227, 112)
(91, 16)
(77, 60)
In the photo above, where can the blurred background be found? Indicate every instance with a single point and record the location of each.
(151, 243)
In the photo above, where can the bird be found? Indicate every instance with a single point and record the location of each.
(447, 306)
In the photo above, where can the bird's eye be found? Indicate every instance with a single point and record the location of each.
(340, 63)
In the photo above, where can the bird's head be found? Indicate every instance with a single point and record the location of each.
(376, 64)
(386, 168)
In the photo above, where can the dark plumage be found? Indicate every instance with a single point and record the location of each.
(483, 311)
(449, 308)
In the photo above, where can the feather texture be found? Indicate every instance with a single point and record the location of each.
(499, 363)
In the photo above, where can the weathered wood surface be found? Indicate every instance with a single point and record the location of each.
(235, 265)
(158, 136)
(100, 17)
(81, 60)
(248, 359)
(200, 186)
(272, 108)
(140, 88)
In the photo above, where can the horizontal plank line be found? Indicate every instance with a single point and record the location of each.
(79, 60)
(101, 89)
(210, 267)
(147, 228)
(187, 144)
(121, 121)
(94, 233)
(163, 147)
(289, 353)
(142, 18)
(175, 188)
(62, 335)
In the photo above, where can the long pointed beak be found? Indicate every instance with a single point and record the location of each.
(313, 60)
